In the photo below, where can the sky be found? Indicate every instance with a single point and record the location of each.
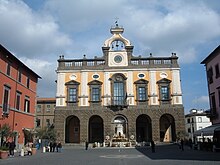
(39, 31)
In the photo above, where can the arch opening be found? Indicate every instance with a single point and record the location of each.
(143, 129)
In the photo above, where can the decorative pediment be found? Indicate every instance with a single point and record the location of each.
(164, 81)
(95, 82)
(141, 81)
(118, 77)
(72, 82)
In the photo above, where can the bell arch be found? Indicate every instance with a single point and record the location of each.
(143, 128)
(96, 129)
(167, 128)
(72, 130)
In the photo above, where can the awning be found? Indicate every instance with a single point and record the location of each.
(207, 131)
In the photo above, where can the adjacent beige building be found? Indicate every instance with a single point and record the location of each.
(45, 112)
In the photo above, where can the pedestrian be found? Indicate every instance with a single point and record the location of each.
(51, 146)
(54, 146)
(152, 146)
(59, 147)
(182, 143)
(87, 145)
(190, 143)
(11, 148)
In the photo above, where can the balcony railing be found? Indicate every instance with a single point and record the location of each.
(133, 61)
(117, 104)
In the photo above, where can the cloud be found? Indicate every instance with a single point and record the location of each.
(178, 27)
(201, 99)
(83, 15)
(46, 70)
(29, 33)
(160, 27)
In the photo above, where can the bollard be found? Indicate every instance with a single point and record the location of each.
(44, 149)
(22, 152)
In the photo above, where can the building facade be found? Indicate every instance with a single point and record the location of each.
(119, 96)
(196, 120)
(212, 65)
(18, 85)
(45, 112)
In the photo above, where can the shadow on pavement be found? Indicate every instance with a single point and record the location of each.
(172, 151)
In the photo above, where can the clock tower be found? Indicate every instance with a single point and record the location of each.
(117, 49)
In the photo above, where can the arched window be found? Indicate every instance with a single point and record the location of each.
(117, 45)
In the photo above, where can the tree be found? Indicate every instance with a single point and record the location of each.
(5, 133)
(46, 133)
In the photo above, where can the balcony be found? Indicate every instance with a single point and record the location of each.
(116, 105)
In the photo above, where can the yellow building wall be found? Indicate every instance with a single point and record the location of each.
(101, 79)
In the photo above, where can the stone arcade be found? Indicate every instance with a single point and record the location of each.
(119, 97)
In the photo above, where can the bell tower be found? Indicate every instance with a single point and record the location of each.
(117, 49)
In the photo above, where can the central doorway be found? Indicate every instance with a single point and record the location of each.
(143, 129)
(96, 132)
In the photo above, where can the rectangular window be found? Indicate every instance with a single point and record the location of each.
(28, 82)
(142, 93)
(48, 108)
(38, 108)
(27, 105)
(8, 72)
(164, 93)
(219, 96)
(217, 72)
(6, 100)
(189, 130)
(210, 75)
(48, 122)
(213, 104)
(19, 76)
(188, 120)
(200, 119)
(18, 100)
(95, 94)
(38, 122)
(72, 94)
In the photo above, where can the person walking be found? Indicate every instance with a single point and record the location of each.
(54, 146)
(87, 145)
(182, 143)
(11, 148)
(152, 146)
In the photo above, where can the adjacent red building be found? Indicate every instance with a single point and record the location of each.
(18, 85)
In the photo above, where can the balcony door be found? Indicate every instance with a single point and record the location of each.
(118, 84)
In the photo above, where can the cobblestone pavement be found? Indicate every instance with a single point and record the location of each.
(165, 154)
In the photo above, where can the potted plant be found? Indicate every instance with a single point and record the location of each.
(5, 133)
(4, 152)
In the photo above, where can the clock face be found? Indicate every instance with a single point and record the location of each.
(118, 58)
